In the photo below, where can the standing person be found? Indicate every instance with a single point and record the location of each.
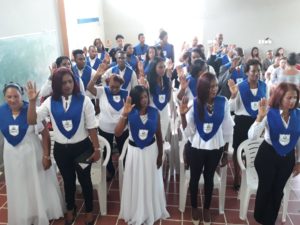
(150, 54)
(280, 51)
(33, 193)
(75, 135)
(243, 102)
(120, 47)
(131, 59)
(111, 103)
(275, 159)
(167, 49)
(268, 61)
(128, 75)
(160, 92)
(209, 125)
(100, 49)
(143, 197)
(254, 54)
(141, 48)
(92, 60)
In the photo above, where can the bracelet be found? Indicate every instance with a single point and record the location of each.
(47, 157)
(97, 149)
(124, 117)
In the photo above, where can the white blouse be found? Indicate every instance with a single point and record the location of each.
(108, 117)
(257, 129)
(222, 136)
(237, 106)
(87, 121)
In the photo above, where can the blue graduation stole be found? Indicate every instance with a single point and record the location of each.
(86, 74)
(140, 50)
(96, 64)
(161, 97)
(133, 62)
(209, 127)
(147, 67)
(237, 76)
(250, 101)
(168, 48)
(127, 75)
(283, 139)
(192, 84)
(143, 134)
(67, 121)
(13, 130)
(116, 100)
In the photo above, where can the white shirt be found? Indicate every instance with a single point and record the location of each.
(222, 136)
(87, 121)
(108, 117)
(257, 128)
(237, 105)
(133, 82)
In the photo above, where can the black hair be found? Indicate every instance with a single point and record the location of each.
(77, 52)
(292, 59)
(140, 34)
(239, 51)
(102, 45)
(251, 62)
(252, 50)
(126, 46)
(119, 36)
(59, 60)
(152, 76)
(198, 66)
(199, 52)
(135, 95)
(13, 85)
(159, 48)
(162, 34)
(147, 53)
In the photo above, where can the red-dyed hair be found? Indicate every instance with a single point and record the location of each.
(279, 92)
(57, 82)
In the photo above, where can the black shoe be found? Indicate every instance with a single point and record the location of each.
(110, 177)
(90, 223)
(236, 187)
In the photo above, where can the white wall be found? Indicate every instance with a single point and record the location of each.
(80, 35)
(27, 17)
(241, 22)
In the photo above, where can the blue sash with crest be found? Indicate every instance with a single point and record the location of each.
(101, 56)
(14, 130)
(116, 100)
(283, 139)
(209, 127)
(161, 96)
(86, 74)
(143, 134)
(238, 76)
(250, 101)
(67, 121)
(127, 75)
(96, 64)
(192, 84)
(133, 62)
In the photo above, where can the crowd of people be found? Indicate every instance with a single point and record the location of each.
(130, 92)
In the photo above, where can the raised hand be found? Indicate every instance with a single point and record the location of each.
(184, 83)
(262, 108)
(31, 91)
(183, 107)
(127, 106)
(169, 65)
(180, 71)
(143, 81)
(140, 66)
(52, 68)
(106, 59)
(233, 88)
(101, 69)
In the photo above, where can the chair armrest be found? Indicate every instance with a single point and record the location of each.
(104, 143)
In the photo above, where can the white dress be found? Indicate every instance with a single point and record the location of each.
(143, 198)
(33, 194)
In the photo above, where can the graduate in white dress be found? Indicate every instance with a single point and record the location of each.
(33, 193)
(143, 198)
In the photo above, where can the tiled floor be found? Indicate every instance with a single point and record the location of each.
(231, 215)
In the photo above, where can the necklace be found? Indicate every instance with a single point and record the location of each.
(210, 107)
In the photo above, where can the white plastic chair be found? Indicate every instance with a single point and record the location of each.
(219, 183)
(98, 175)
(121, 165)
(249, 184)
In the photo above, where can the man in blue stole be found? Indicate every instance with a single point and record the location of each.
(141, 48)
(168, 49)
(92, 60)
(120, 46)
(81, 70)
(129, 76)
